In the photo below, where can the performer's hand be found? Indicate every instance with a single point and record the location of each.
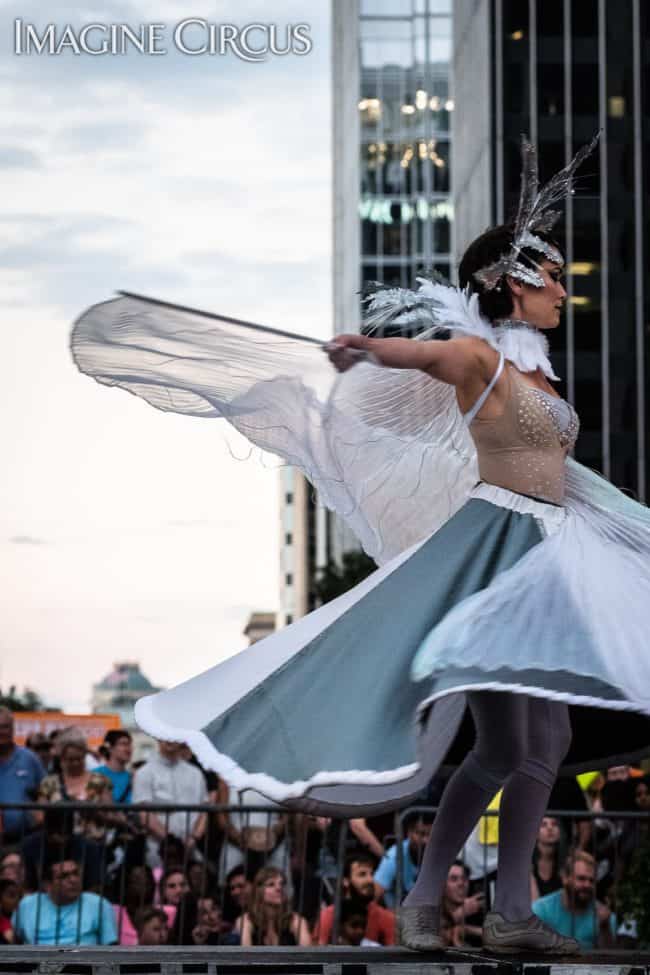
(346, 351)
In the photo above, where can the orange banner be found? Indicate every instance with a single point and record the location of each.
(94, 726)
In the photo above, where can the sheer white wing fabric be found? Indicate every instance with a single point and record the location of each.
(387, 449)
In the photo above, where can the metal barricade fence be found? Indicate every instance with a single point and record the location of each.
(208, 847)
(611, 839)
(205, 845)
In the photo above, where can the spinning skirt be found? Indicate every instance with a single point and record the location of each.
(352, 709)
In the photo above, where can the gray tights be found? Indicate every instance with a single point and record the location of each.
(520, 744)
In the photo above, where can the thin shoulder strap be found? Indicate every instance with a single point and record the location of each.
(471, 414)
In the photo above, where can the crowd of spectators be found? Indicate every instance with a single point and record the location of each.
(92, 866)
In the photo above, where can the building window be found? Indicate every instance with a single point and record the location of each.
(289, 619)
(406, 107)
(288, 538)
(288, 578)
(288, 498)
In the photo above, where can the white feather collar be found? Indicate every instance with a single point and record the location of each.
(458, 310)
(525, 346)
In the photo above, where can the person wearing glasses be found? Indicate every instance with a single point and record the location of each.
(62, 913)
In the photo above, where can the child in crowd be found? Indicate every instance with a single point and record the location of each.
(151, 925)
(352, 924)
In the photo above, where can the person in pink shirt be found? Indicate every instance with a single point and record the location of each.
(140, 891)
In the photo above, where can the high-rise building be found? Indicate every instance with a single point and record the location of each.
(392, 112)
(299, 513)
(559, 70)
(393, 215)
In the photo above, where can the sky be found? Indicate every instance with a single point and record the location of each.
(126, 533)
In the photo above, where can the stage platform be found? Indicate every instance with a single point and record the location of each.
(306, 961)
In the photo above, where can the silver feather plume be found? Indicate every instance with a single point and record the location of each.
(535, 214)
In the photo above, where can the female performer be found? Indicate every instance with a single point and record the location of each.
(512, 581)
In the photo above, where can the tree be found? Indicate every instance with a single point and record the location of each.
(334, 579)
(634, 892)
(28, 701)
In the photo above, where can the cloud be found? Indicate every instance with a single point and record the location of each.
(75, 261)
(205, 181)
(101, 137)
(19, 157)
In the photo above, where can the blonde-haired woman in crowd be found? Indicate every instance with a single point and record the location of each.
(270, 919)
(74, 778)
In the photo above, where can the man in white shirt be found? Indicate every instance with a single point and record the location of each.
(167, 778)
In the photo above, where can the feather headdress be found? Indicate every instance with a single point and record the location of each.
(536, 214)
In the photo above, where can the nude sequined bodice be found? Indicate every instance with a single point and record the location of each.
(524, 449)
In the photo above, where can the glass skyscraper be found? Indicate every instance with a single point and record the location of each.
(392, 111)
(559, 70)
(405, 108)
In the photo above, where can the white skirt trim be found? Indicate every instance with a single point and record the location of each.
(549, 517)
(564, 697)
(239, 778)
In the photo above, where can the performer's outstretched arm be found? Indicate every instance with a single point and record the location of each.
(453, 361)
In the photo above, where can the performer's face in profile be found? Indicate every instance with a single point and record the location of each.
(540, 306)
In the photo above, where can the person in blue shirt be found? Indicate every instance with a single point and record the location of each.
(574, 911)
(63, 914)
(20, 776)
(119, 744)
(418, 828)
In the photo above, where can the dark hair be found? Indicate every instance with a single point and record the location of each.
(112, 737)
(9, 851)
(185, 920)
(353, 907)
(55, 861)
(485, 250)
(169, 872)
(232, 910)
(416, 818)
(5, 884)
(146, 914)
(619, 795)
(172, 852)
(359, 857)
(463, 866)
(235, 872)
(138, 892)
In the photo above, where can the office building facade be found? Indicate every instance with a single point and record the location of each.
(392, 136)
(559, 70)
(393, 215)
